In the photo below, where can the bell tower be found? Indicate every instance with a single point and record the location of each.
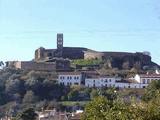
(60, 44)
(59, 41)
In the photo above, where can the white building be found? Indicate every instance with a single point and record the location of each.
(127, 84)
(145, 79)
(101, 81)
(47, 114)
(70, 78)
(106, 81)
(77, 78)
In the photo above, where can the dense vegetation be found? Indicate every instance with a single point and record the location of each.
(87, 62)
(101, 108)
(20, 90)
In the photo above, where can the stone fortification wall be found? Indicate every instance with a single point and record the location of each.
(93, 55)
(30, 65)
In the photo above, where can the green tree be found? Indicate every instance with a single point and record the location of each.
(111, 93)
(153, 109)
(94, 93)
(87, 62)
(73, 95)
(30, 97)
(96, 109)
(119, 111)
(146, 110)
(152, 91)
(13, 86)
(102, 109)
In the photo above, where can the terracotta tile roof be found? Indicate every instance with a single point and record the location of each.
(92, 77)
(69, 73)
(99, 76)
(91, 72)
(127, 81)
(150, 75)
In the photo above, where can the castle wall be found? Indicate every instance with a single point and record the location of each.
(118, 54)
(44, 54)
(93, 55)
(30, 65)
(73, 52)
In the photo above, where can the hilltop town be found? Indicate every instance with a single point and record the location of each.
(58, 82)
(83, 66)
(79, 60)
(60, 59)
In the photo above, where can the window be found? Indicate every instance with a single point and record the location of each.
(70, 77)
(110, 80)
(106, 80)
(148, 81)
(144, 81)
(75, 78)
(62, 83)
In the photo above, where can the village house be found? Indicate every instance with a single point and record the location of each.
(145, 79)
(101, 81)
(47, 114)
(95, 80)
(70, 78)
(54, 115)
(127, 84)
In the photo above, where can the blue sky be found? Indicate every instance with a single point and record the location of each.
(104, 25)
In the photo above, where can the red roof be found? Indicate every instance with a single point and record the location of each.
(69, 73)
(99, 76)
(150, 75)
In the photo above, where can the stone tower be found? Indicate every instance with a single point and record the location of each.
(60, 44)
(59, 41)
(39, 54)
